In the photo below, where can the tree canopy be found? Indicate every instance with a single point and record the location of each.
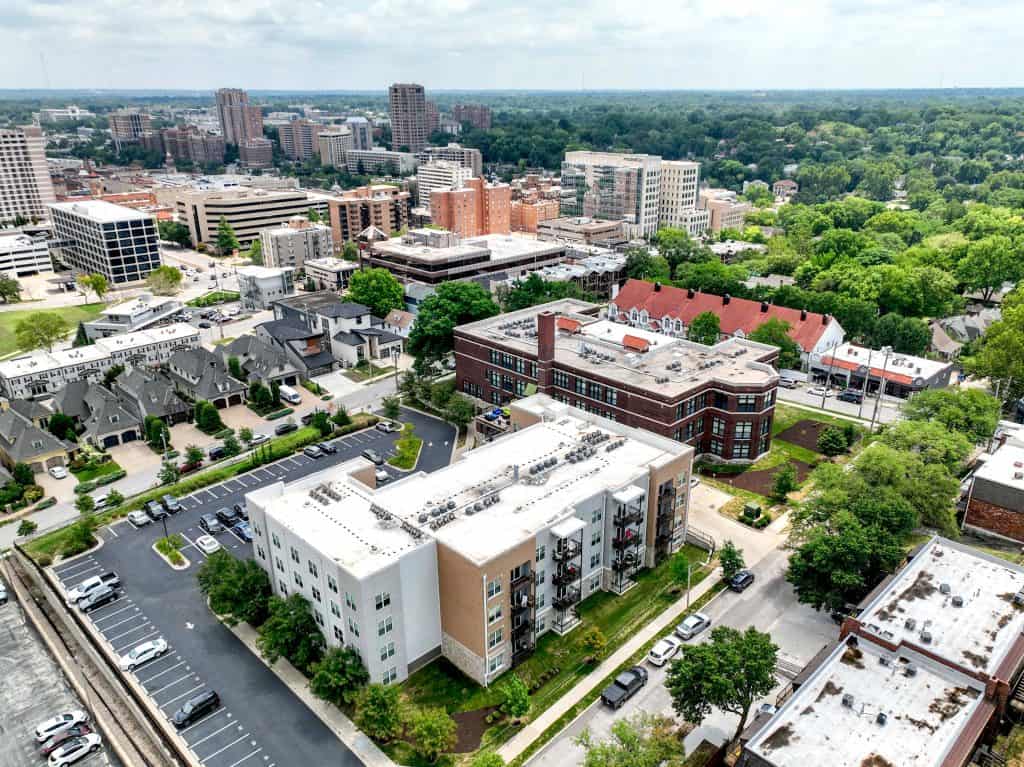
(377, 289)
(453, 304)
(41, 330)
(705, 329)
(775, 332)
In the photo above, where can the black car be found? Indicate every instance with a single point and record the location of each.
(241, 511)
(741, 581)
(216, 453)
(284, 428)
(307, 419)
(227, 517)
(625, 686)
(155, 511)
(196, 708)
(327, 447)
(211, 524)
(851, 395)
(205, 324)
(104, 595)
(171, 503)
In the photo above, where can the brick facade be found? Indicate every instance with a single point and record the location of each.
(995, 519)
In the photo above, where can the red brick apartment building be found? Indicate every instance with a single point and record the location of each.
(720, 399)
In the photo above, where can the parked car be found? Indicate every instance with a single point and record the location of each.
(77, 748)
(692, 625)
(820, 391)
(307, 419)
(96, 598)
(58, 472)
(207, 544)
(327, 448)
(59, 723)
(204, 324)
(142, 653)
(155, 511)
(101, 500)
(139, 518)
(89, 585)
(216, 452)
(259, 439)
(227, 517)
(663, 651)
(856, 396)
(373, 457)
(386, 426)
(382, 476)
(625, 686)
(312, 451)
(232, 311)
(52, 743)
(285, 428)
(171, 503)
(694, 481)
(243, 513)
(243, 530)
(741, 581)
(186, 316)
(788, 383)
(210, 524)
(196, 708)
(770, 709)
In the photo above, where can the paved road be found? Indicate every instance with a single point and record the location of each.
(769, 605)
(261, 722)
(888, 410)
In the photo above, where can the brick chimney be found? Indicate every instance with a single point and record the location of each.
(545, 350)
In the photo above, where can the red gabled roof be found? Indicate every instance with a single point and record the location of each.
(568, 324)
(738, 314)
(635, 342)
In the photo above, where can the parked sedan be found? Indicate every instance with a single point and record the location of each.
(60, 723)
(285, 428)
(243, 530)
(327, 448)
(207, 544)
(663, 651)
(386, 426)
(211, 524)
(373, 457)
(58, 472)
(241, 511)
(155, 511)
(55, 741)
(172, 504)
(75, 749)
(196, 708)
(139, 518)
(259, 439)
(227, 517)
(820, 391)
(312, 451)
(204, 324)
(143, 653)
(692, 626)
(104, 595)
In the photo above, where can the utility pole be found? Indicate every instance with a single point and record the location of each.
(828, 378)
(881, 385)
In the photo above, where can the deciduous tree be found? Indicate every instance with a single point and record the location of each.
(227, 242)
(731, 560)
(338, 676)
(378, 712)
(643, 740)
(377, 289)
(164, 280)
(290, 631)
(41, 330)
(433, 733)
(453, 304)
(704, 329)
(775, 332)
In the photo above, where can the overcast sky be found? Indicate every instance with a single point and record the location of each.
(476, 44)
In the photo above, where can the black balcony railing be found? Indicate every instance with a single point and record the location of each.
(521, 602)
(565, 575)
(566, 599)
(522, 626)
(570, 549)
(521, 649)
(628, 518)
(625, 541)
(522, 577)
(623, 563)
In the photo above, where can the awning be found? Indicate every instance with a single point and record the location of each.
(568, 527)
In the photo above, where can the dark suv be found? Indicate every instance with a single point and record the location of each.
(98, 597)
(211, 524)
(228, 517)
(741, 581)
(171, 503)
(196, 708)
(851, 395)
(625, 686)
(155, 511)
(284, 428)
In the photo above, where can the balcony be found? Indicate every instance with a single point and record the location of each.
(521, 602)
(566, 599)
(628, 517)
(522, 649)
(523, 577)
(522, 626)
(626, 541)
(623, 563)
(568, 550)
(565, 576)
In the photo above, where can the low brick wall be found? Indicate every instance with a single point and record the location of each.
(995, 519)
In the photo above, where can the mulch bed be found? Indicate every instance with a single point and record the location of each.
(760, 481)
(803, 433)
(471, 726)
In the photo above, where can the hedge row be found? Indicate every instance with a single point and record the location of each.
(279, 414)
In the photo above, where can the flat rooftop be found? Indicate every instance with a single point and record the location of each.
(1004, 467)
(500, 246)
(598, 346)
(365, 529)
(906, 365)
(263, 272)
(332, 264)
(977, 636)
(101, 210)
(144, 303)
(925, 710)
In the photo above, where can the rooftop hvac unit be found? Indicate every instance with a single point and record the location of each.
(910, 624)
(881, 718)
(944, 588)
(926, 637)
(848, 700)
(910, 670)
(1018, 598)
(958, 601)
(884, 660)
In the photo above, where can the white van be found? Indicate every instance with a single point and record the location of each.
(288, 394)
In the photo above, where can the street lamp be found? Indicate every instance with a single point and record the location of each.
(887, 350)
(828, 377)
(395, 354)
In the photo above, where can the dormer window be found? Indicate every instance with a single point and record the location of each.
(114, 418)
(38, 444)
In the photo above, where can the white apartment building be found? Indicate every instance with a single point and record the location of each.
(249, 211)
(295, 243)
(379, 160)
(440, 176)
(130, 316)
(362, 133)
(25, 186)
(678, 200)
(333, 146)
(466, 156)
(41, 372)
(21, 254)
(260, 286)
(616, 187)
(330, 273)
(99, 237)
(474, 561)
(63, 114)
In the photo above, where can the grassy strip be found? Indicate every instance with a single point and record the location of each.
(407, 449)
(72, 315)
(585, 702)
(99, 470)
(224, 341)
(366, 372)
(214, 297)
(170, 546)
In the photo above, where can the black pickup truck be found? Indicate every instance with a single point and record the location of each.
(624, 687)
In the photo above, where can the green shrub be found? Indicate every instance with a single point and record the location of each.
(44, 560)
(85, 487)
(46, 503)
(279, 414)
(106, 479)
(223, 433)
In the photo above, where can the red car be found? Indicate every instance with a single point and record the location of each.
(55, 741)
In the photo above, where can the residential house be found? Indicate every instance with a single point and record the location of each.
(149, 393)
(260, 360)
(309, 351)
(23, 441)
(399, 322)
(202, 375)
(109, 423)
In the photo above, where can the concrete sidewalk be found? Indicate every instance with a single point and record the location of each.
(655, 628)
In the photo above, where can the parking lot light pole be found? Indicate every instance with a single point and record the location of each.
(887, 350)
(395, 354)
(164, 520)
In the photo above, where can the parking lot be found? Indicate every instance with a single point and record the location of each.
(260, 721)
(33, 690)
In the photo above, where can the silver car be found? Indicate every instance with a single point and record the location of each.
(692, 626)
(139, 518)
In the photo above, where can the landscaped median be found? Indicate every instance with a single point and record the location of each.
(407, 449)
(54, 543)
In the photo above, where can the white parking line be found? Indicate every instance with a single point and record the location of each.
(114, 532)
(184, 694)
(118, 601)
(97, 621)
(221, 750)
(245, 757)
(115, 625)
(64, 571)
(205, 720)
(192, 544)
(137, 641)
(207, 737)
(161, 673)
(169, 685)
(129, 631)
(80, 573)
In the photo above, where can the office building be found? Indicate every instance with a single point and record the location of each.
(856, 367)
(720, 399)
(131, 316)
(299, 139)
(362, 133)
(69, 113)
(599, 274)
(923, 675)
(440, 175)
(189, 143)
(432, 256)
(410, 122)
(333, 144)
(678, 197)
(474, 561)
(433, 118)
(582, 230)
(465, 156)
(330, 273)
(785, 188)
(382, 208)
(249, 211)
(40, 373)
(260, 286)
(22, 254)
(476, 209)
(477, 115)
(238, 119)
(255, 153)
(379, 160)
(25, 186)
(99, 237)
(619, 187)
(525, 216)
(725, 211)
(128, 126)
(296, 242)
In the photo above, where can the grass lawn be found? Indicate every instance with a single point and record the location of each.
(787, 415)
(225, 340)
(214, 297)
(101, 470)
(618, 617)
(365, 372)
(71, 314)
(407, 449)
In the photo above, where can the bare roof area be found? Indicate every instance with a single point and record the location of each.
(867, 707)
(920, 607)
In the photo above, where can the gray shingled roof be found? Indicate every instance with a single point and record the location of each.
(106, 414)
(22, 440)
(149, 393)
(258, 359)
(202, 374)
(71, 399)
(287, 330)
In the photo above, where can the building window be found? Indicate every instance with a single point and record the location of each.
(316, 593)
(742, 429)
(295, 555)
(766, 424)
(560, 379)
(541, 553)
(353, 629)
(313, 569)
(390, 675)
(382, 600)
(318, 618)
(718, 426)
(335, 610)
(332, 584)
(716, 447)
(261, 553)
(746, 403)
(595, 560)
(595, 538)
(350, 603)
(539, 580)
(495, 663)
(284, 588)
(279, 564)
(493, 588)
(494, 613)
(595, 583)
(740, 449)
(541, 599)
(762, 446)
(276, 540)
(298, 579)
(494, 638)
(387, 651)
(385, 626)
(596, 516)
(338, 635)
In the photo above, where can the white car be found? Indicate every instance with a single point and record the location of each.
(382, 476)
(187, 316)
(694, 482)
(663, 651)
(83, 589)
(232, 311)
(75, 749)
(139, 518)
(58, 472)
(820, 391)
(45, 730)
(692, 626)
(259, 439)
(144, 653)
(207, 544)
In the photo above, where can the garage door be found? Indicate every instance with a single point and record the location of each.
(110, 441)
(129, 436)
(235, 399)
(57, 460)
